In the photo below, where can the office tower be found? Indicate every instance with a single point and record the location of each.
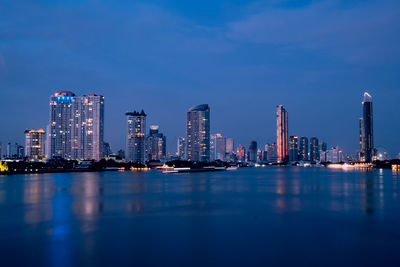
(323, 151)
(272, 154)
(20, 151)
(335, 155)
(155, 145)
(88, 127)
(9, 152)
(294, 148)
(282, 133)
(314, 149)
(198, 133)
(252, 152)
(181, 148)
(241, 153)
(59, 130)
(107, 150)
(34, 144)
(135, 138)
(230, 146)
(303, 150)
(217, 147)
(366, 130)
(121, 154)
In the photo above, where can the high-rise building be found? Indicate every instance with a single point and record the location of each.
(59, 136)
(107, 150)
(272, 155)
(155, 145)
(88, 127)
(230, 146)
(282, 133)
(217, 147)
(181, 148)
(366, 130)
(314, 149)
(9, 152)
(323, 151)
(293, 148)
(241, 153)
(34, 144)
(135, 138)
(303, 151)
(198, 133)
(252, 152)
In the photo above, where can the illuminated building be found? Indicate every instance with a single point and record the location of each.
(88, 127)
(282, 134)
(217, 147)
(135, 138)
(303, 150)
(230, 146)
(314, 149)
(272, 154)
(181, 148)
(294, 148)
(59, 135)
(366, 130)
(252, 152)
(323, 152)
(155, 145)
(34, 144)
(241, 153)
(198, 133)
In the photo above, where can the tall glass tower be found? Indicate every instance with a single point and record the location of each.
(366, 130)
(282, 134)
(303, 152)
(198, 133)
(135, 138)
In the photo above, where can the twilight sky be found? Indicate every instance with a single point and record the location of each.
(242, 57)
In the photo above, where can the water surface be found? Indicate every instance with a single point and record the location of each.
(253, 216)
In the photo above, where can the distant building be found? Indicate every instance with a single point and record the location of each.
(198, 133)
(272, 154)
(282, 133)
(294, 148)
(135, 137)
(314, 149)
(155, 145)
(35, 144)
(335, 155)
(181, 148)
(59, 136)
(230, 146)
(252, 152)
(303, 150)
(121, 154)
(241, 153)
(217, 147)
(107, 152)
(366, 130)
(323, 152)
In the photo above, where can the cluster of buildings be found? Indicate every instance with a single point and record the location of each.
(76, 131)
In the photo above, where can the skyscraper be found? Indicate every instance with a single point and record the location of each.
(252, 152)
(217, 147)
(241, 153)
(59, 129)
(34, 144)
(294, 148)
(181, 148)
(198, 133)
(366, 130)
(155, 145)
(314, 149)
(135, 138)
(230, 146)
(282, 133)
(88, 127)
(271, 150)
(303, 153)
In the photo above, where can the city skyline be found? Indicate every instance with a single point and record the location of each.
(230, 55)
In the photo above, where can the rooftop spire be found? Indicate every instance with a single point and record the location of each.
(367, 97)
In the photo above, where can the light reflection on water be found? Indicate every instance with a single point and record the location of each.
(80, 217)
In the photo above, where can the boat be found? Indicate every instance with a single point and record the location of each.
(188, 169)
(232, 168)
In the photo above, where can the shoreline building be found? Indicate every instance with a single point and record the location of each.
(34, 144)
(59, 139)
(366, 130)
(241, 153)
(282, 134)
(314, 149)
(155, 144)
(88, 127)
(198, 133)
(135, 138)
(252, 152)
(217, 147)
(293, 148)
(181, 148)
(303, 151)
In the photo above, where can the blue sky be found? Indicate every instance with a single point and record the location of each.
(241, 57)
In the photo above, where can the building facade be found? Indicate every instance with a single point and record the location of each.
(155, 145)
(314, 149)
(367, 130)
(293, 148)
(252, 152)
(181, 148)
(217, 147)
(35, 144)
(282, 134)
(303, 150)
(136, 137)
(198, 133)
